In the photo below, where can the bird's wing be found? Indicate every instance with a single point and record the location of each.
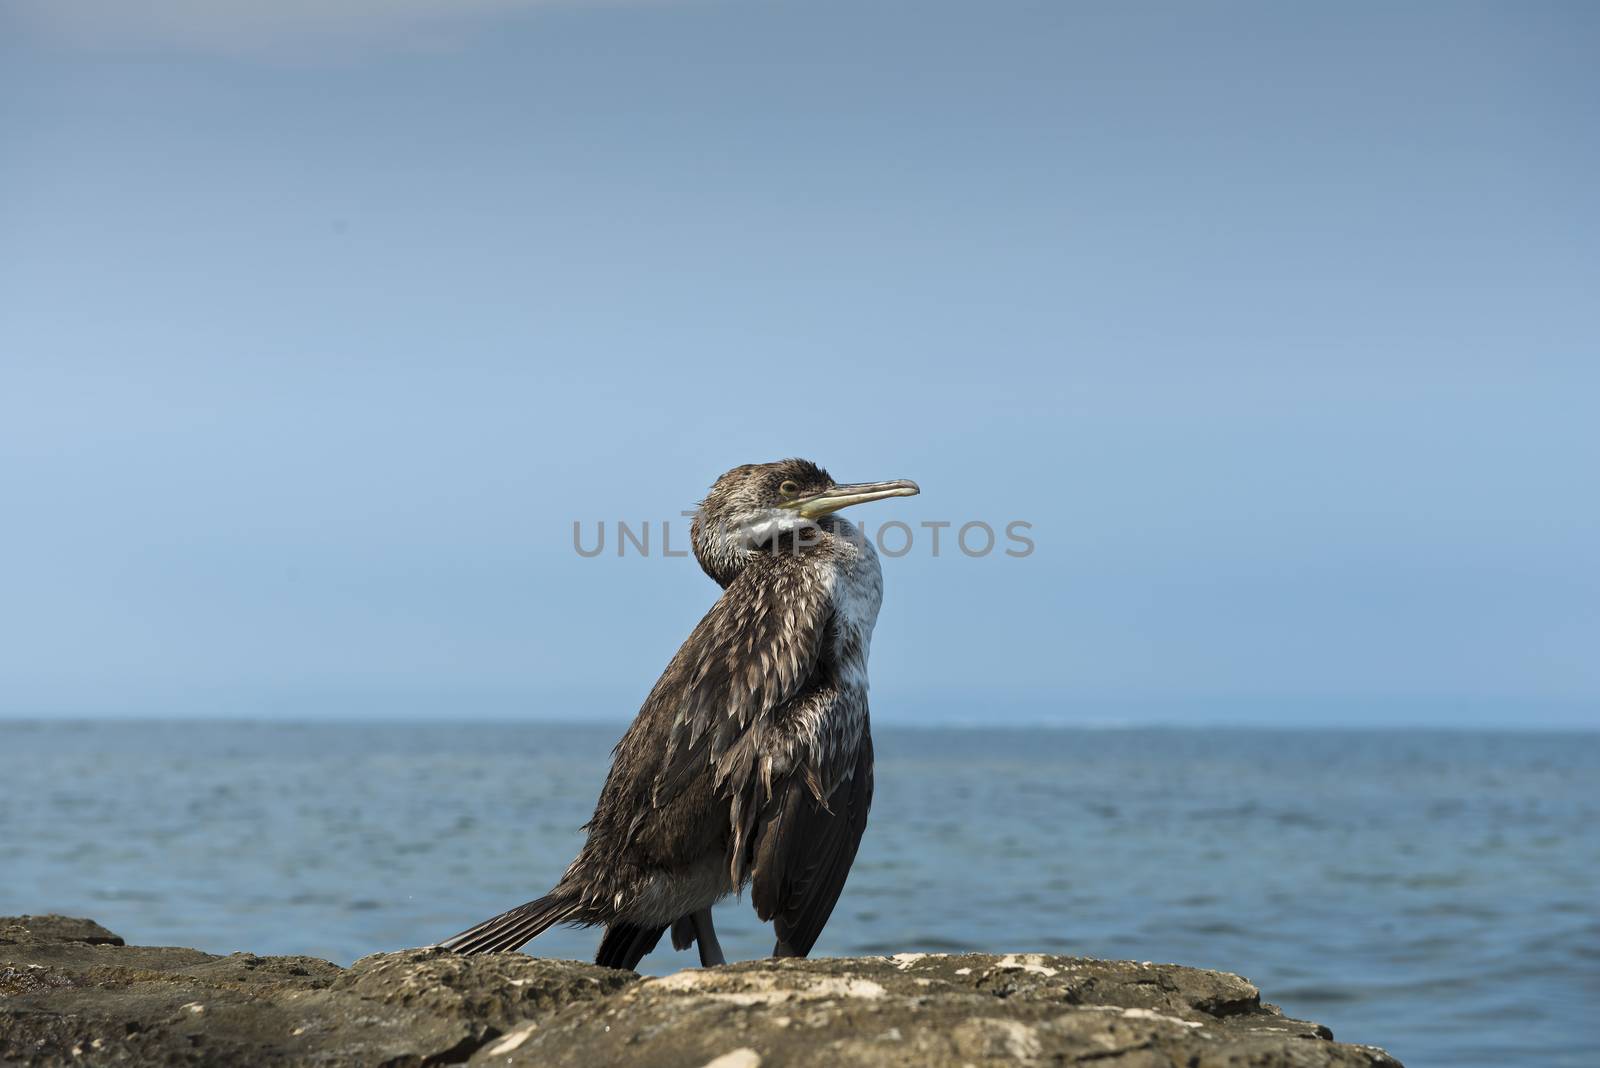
(755, 650)
(804, 849)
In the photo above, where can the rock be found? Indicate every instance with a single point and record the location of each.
(72, 993)
(55, 929)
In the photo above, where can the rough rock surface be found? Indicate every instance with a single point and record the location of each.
(72, 993)
(55, 929)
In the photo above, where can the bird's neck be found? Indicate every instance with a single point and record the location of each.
(857, 595)
(831, 544)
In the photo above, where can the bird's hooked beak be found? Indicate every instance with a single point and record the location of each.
(834, 498)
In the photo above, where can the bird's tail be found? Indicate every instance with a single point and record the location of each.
(510, 930)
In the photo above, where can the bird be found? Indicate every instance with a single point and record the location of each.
(750, 762)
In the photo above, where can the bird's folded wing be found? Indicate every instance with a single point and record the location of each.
(804, 850)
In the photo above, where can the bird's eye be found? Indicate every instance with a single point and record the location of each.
(788, 487)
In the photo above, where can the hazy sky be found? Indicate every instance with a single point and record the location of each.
(320, 324)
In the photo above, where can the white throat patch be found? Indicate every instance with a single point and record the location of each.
(770, 526)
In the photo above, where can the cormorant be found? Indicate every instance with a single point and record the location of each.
(751, 760)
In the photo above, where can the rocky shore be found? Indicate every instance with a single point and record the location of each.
(71, 992)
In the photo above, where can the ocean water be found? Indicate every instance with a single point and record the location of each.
(1432, 892)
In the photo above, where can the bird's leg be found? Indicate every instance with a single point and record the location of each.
(683, 932)
(706, 935)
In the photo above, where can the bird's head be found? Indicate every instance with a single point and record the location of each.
(753, 506)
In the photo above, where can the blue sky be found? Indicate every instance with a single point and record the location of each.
(320, 324)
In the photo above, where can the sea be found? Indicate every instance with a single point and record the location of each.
(1433, 892)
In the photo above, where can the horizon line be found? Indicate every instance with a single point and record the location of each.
(1008, 724)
